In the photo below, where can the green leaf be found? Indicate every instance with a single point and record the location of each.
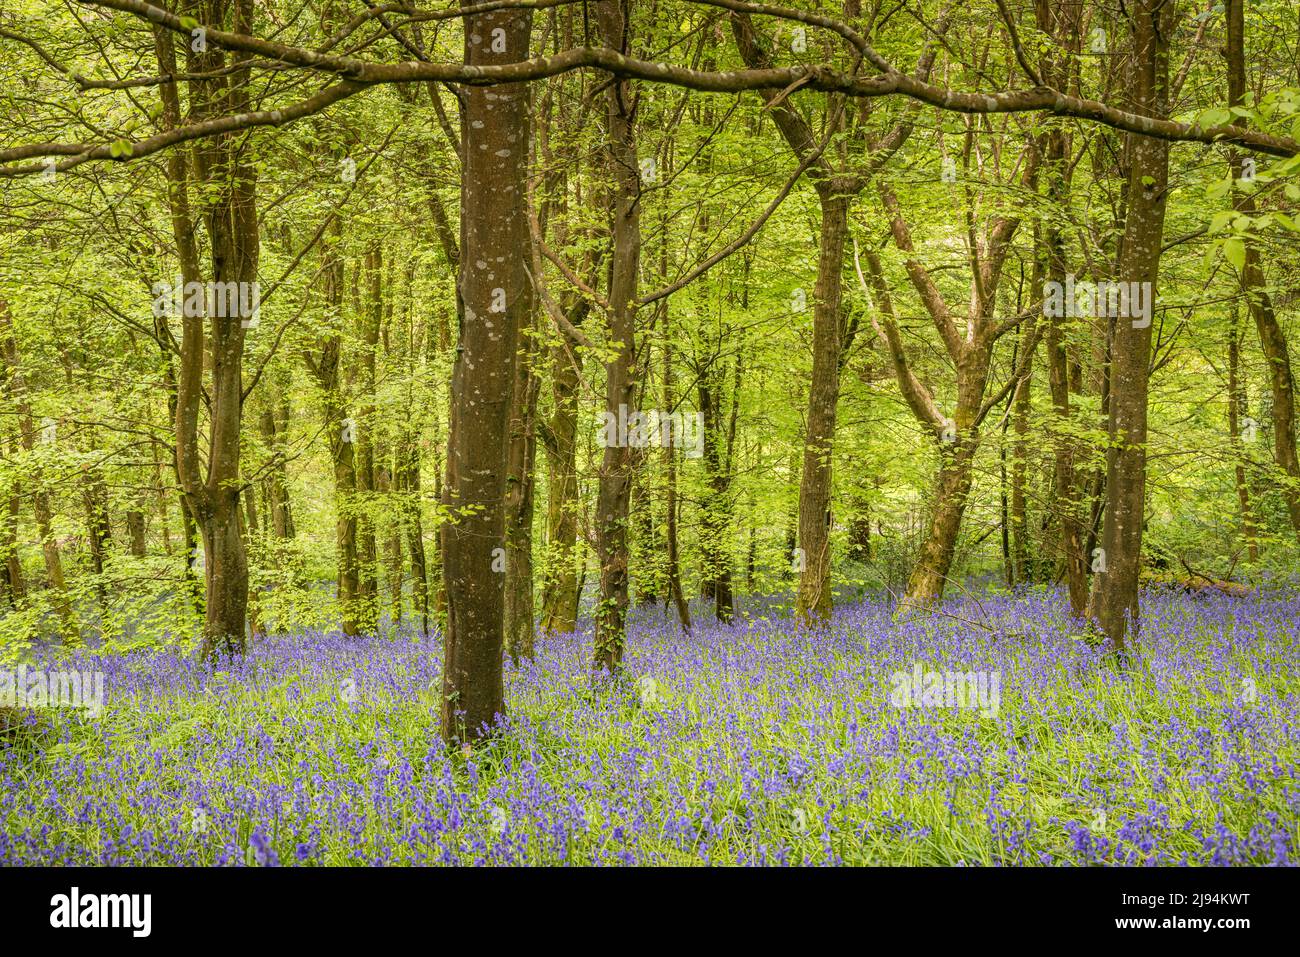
(1234, 250)
(1219, 221)
(1216, 116)
(1286, 222)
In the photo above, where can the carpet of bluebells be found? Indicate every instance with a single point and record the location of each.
(758, 743)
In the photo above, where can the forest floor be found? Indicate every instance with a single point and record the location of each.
(759, 743)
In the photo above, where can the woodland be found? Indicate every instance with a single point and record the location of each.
(526, 383)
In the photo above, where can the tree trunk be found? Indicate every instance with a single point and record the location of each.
(496, 302)
(225, 169)
(1114, 600)
(814, 601)
(99, 529)
(367, 536)
(520, 484)
(930, 574)
(1272, 339)
(615, 484)
(408, 484)
(252, 535)
(1071, 510)
(135, 527)
(386, 488)
(1021, 404)
(17, 585)
(716, 519)
(1236, 406)
(560, 587)
(672, 565)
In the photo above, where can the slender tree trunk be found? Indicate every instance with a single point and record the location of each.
(615, 484)
(274, 422)
(17, 585)
(814, 601)
(193, 549)
(367, 536)
(952, 489)
(385, 486)
(99, 529)
(1236, 405)
(672, 563)
(520, 484)
(792, 562)
(1071, 513)
(716, 518)
(160, 494)
(135, 526)
(1067, 500)
(225, 168)
(560, 588)
(496, 300)
(1021, 404)
(1272, 339)
(252, 535)
(1114, 600)
(408, 488)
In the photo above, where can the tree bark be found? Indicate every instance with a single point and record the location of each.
(1071, 511)
(613, 497)
(520, 484)
(1113, 603)
(1236, 406)
(224, 168)
(1019, 519)
(13, 567)
(496, 301)
(672, 562)
(1272, 339)
(814, 601)
(716, 518)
